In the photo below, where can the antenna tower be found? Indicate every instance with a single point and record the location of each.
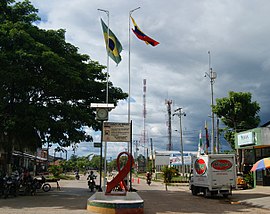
(169, 124)
(144, 120)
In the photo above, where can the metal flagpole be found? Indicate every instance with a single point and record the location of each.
(129, 90)
(108, 42)
(107, 94)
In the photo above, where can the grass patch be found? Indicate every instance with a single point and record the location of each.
(62, 176)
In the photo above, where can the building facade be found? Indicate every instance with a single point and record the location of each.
(253, 145)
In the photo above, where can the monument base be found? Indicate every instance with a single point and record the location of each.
(115, 204)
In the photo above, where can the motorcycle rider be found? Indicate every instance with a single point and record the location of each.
(77, 176)
(148, 178)
(91, 181)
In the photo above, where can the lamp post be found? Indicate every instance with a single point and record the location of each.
(102, 114)
(212, 76)
(178, 112)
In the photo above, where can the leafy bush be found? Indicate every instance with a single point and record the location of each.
(168, 173)
(55, 170)
(249, 179)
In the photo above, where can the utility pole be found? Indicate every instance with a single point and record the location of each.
(180, 113)
(136, 154)
(212, 76)
(152, 155)
(217, 140)
(144, 118)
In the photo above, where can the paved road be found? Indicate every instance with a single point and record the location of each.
(72, 199)
(178, 199)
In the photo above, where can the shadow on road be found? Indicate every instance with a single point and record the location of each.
(66, 198)
(159, 201)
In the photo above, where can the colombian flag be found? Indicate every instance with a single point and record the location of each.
(137, 31)
(114, 47)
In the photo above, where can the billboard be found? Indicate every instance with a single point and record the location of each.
(246, 139)
(176, 159)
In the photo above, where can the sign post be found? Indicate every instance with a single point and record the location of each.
(119, 132)
(102, 114)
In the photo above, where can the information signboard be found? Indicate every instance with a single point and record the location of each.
(97, 145)
(116, 132)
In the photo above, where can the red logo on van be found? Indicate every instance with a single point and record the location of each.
(221, 164)
(200, 166)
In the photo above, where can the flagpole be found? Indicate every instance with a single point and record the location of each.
(129, 91)
(108, 32)
(107, 98)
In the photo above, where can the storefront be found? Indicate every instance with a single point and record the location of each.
(253, 145)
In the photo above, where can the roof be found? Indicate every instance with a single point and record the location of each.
(267, 124)
(23, 154)
(173, 152)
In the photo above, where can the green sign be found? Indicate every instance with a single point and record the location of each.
(98, 145)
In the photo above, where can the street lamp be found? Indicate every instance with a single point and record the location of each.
(178, 112)
(212, 76)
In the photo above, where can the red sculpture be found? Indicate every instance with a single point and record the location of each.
(122, 173)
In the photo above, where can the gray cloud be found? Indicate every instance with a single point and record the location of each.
(236, 33)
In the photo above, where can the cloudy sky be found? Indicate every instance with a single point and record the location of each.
(236, 32)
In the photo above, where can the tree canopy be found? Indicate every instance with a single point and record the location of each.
(46, 85)
(237, 112)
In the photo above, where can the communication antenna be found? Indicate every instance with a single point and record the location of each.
(144, 118)
(212, 76)
(169, 124)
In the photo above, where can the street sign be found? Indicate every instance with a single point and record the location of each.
(98, 145)
(116, 132)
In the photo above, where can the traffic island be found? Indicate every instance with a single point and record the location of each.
(115, 204)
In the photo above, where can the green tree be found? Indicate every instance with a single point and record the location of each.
(238, 113)
(46, 84)
(168, 173)
(112, 165)
(95, 162)
(55, 170)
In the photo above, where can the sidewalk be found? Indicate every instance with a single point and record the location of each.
(257, 197)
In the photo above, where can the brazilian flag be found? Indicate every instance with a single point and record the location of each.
(114, 47)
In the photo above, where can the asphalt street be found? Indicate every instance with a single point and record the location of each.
(72, 198)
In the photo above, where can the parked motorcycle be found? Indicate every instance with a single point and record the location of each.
(41, 184)
(10, 186)
(1, 185)
(28, 186)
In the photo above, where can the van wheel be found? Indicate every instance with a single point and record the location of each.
(194, 190)
(225, 195)
(206, 192)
